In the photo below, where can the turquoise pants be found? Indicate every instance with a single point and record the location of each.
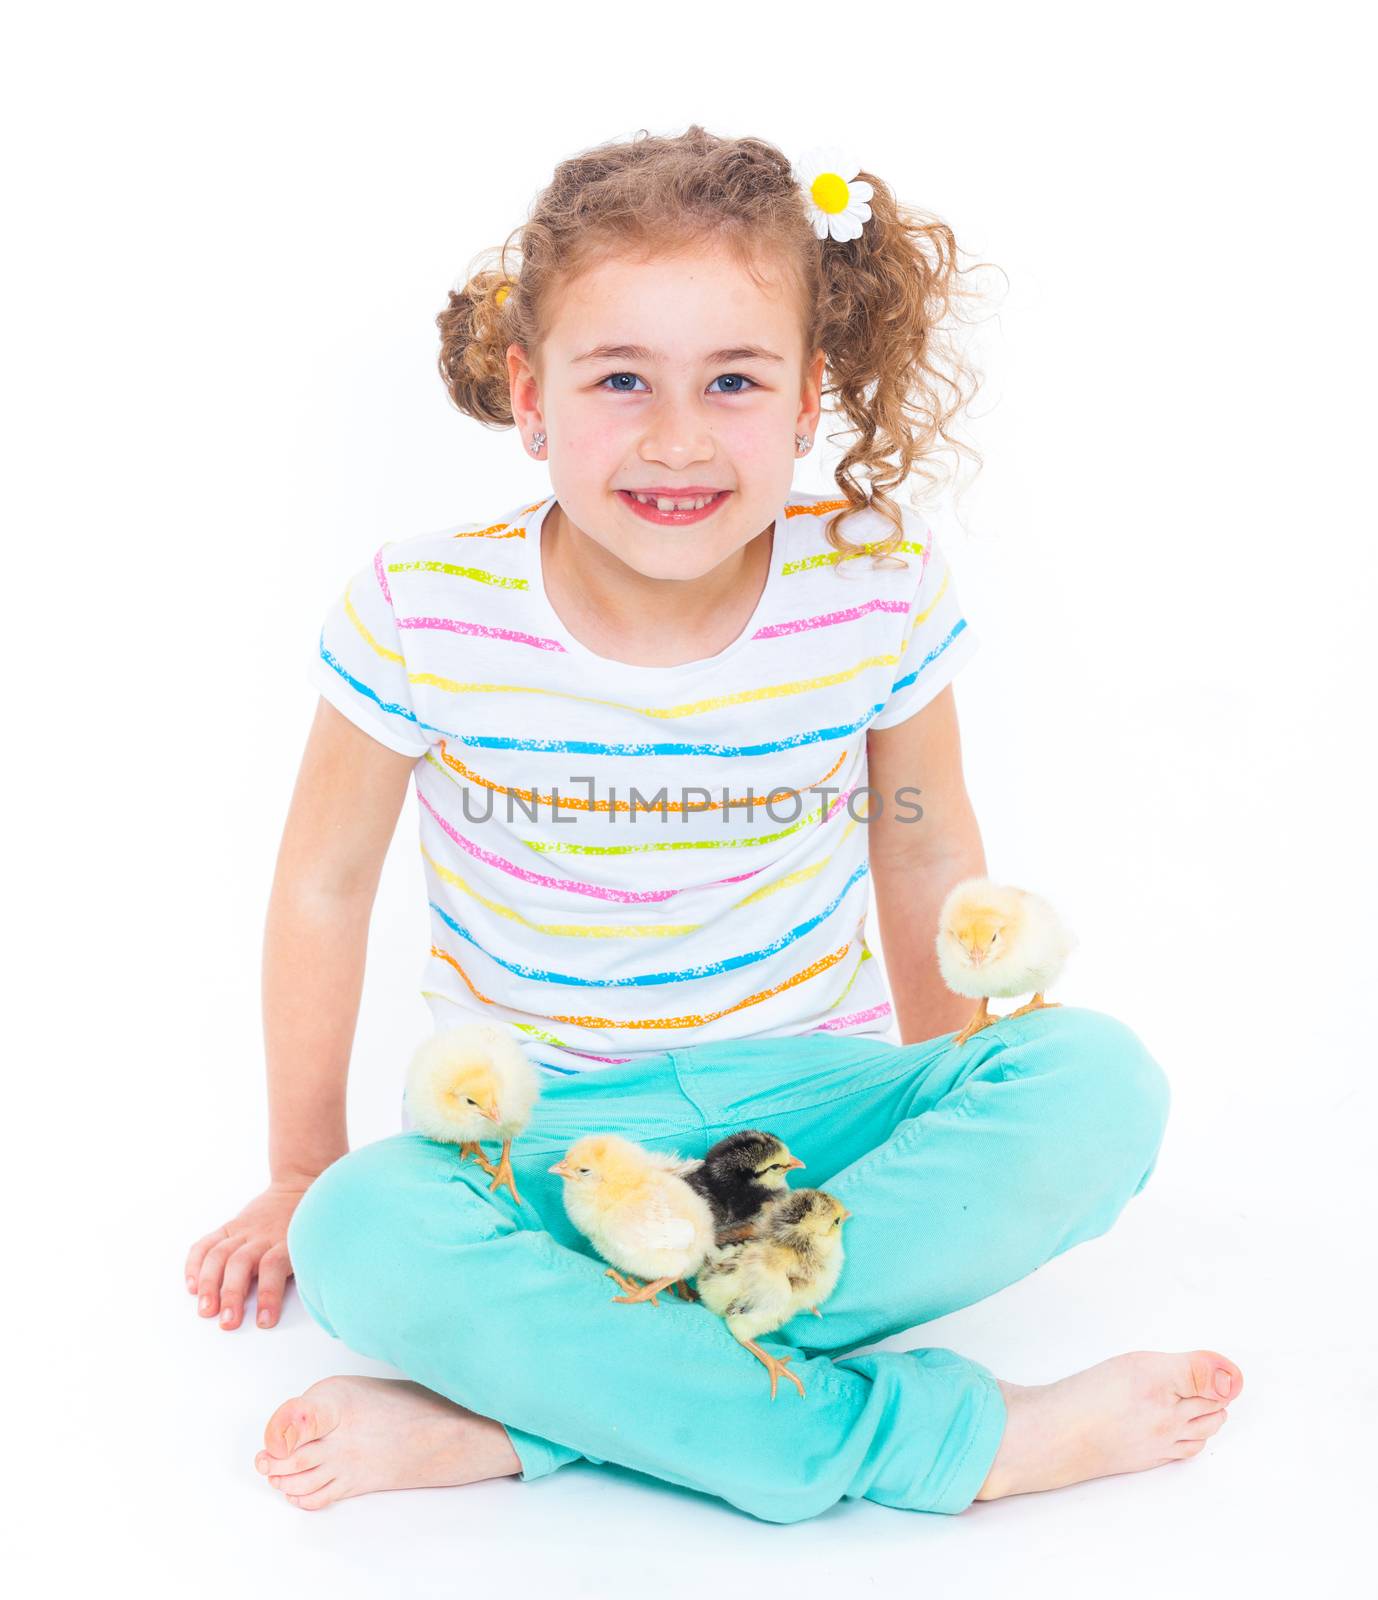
(965, 1169)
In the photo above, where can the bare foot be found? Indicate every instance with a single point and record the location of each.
(1132, 1412)
(352, 1435)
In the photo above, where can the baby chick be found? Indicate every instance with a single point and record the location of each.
(637, 1211)
(996, 940)
(738, 1175)
(789, 1265)
(471, 1082)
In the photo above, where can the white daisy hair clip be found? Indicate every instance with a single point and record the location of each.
(835, 198)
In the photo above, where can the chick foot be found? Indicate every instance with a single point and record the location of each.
(471, 1147)
(1038, 1003)
(502, 1173)
(777, 1368)
(646, 1291)
(1127, 1414)
(625, 1279)
(982, 1019)
(683, 1290)
(352, 1435)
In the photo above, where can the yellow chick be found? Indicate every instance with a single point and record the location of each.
(996, 940)
(472, 1082)
(791, 1264)
(637, 1211)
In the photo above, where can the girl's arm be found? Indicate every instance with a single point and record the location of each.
(344, 809)
(914, 864)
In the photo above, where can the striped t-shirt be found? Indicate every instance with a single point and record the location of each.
(604, 872)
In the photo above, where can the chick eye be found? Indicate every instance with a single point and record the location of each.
(995, 936)
(471, 1099)
(583, 1169)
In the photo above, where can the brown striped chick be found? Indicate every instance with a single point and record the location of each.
(790, 1264)
(637, 1211)
(997, 941)
(473, 1082)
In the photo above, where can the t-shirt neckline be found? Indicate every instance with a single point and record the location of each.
(551, 617)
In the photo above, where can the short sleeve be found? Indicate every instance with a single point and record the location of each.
(937, 640)
(360, 667)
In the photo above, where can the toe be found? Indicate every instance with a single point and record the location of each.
(296, 1484)
(308, 1456)
(1211, 1376)
(297, 1422)
(318, 1500)
(1187, 1448)
(1204, 1426)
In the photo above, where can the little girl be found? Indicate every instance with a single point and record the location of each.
(665, 725)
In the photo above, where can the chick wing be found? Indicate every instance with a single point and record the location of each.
(662, 1229)
(748, 1284)
(652, 1226)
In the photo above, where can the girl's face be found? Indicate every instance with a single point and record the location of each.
(679, 374)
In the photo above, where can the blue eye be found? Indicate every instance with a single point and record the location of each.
(735, 377)
(621, 388)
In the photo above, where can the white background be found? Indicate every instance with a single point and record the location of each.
(230, 231)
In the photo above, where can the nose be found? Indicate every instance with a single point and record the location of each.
(677, 435)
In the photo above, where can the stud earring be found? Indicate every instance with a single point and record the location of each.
(537, 443)
(802, 441)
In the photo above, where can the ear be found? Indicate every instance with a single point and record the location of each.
(811, 396)
(524, 388)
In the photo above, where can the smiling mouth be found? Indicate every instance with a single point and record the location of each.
(673, 511)
(667, 502)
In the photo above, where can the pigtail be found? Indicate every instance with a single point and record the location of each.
(475, 331)
(887, 298)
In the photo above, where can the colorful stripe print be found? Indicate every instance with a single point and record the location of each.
(571, 848)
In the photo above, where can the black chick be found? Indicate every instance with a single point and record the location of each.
(738, 1176)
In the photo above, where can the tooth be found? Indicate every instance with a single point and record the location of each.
(668, 503)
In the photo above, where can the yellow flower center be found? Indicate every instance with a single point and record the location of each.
(501, 295)
(829, 192)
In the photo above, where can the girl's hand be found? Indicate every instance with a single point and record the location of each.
(221, 1266)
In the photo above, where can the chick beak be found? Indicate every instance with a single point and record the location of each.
(844, 1215)
(490, 1111)
(793, 1162)
(561, 1168)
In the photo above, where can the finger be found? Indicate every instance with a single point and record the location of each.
(197, 1254)
(211, 1269)
(273, 1272)
(234, 1290)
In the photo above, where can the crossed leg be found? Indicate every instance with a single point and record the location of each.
(1028, 1140)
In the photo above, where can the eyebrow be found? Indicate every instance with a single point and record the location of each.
(639, 352)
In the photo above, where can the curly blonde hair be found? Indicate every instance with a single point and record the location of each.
(879, 307)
